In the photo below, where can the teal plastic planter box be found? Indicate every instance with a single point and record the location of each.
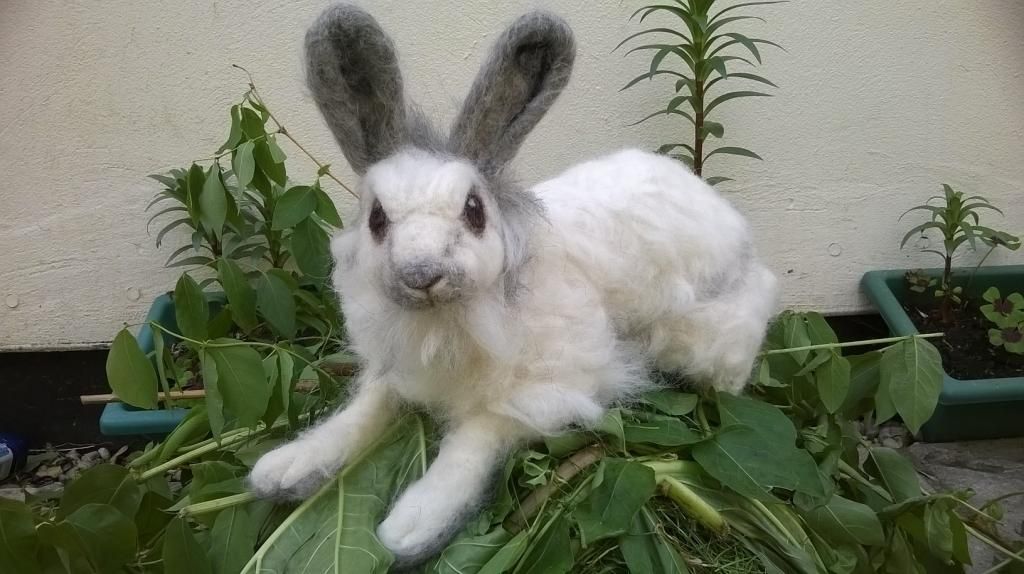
(119, 419)
(967, 409)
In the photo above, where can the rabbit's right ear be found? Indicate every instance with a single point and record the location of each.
(528, 67)
(352, 71)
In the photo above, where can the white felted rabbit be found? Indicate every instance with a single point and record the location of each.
(508, 313)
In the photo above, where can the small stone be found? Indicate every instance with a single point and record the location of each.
(104, 453)
(892, 442)
(12, 493)
(49, 471)
(46, 492)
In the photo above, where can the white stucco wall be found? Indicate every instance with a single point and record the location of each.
(879, 103)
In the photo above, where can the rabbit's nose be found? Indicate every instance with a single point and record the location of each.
(421, 277)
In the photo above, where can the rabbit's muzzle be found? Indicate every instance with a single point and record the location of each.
(425, 284)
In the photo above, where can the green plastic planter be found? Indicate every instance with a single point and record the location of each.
(119, 419)
(967, 410)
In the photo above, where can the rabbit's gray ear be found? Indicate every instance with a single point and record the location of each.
(352, 71)
(527, 69)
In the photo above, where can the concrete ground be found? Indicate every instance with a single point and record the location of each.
(991, 469)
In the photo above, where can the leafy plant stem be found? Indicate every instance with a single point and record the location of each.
(698, 129)
(565, 472)
(883, 341)
(203, 344)
(218, 504)
(1011, 556)
(1019, 556)
(281, 129)
(692, 504)
(188, 456)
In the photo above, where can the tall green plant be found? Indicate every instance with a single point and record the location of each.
(958, 219)
(704, 49)
(254, 313)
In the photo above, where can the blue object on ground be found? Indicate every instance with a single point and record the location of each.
(17, 446)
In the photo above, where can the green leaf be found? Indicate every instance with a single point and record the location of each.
(469, 553)
(252, 123)
(232, 540)
(182, 553)
(712, 128)
(276, 153)
(196, 181)
(818, 329)
(751, 464)
(795, 335)
(169, 227)
(295, 205)
(665, 113)
(102, 484)
(95, 534)
(243, 164)
(650, 428)
(214, 399)
(938, 531)
(911, 373)
(191, 310)
(552, 551)
(759, 416)
(745, 76)
(672, 402)
(713, 181)
(241, 296)
(275, 302)
(732, 96)
(311, 249)
(334, 530)
(645, 549)
(18, 540)
(325, 207)
(213, 202)
(718, 15)
(609, 509)
(235, 135)
(129, 372)
(241, 380)
(895, 472)
(833, 379)
(846, 522)
(733, 151)
(265, 161)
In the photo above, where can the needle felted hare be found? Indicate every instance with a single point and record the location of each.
(509, 313)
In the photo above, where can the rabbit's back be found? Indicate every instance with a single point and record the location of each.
(672, 259)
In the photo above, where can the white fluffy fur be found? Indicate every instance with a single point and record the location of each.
(636, 263)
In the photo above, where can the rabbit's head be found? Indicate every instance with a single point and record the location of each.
(439, 221)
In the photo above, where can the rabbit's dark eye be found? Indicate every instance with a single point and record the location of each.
(473, 213)
(378, 221)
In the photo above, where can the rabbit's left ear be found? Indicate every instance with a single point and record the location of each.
(526, 71)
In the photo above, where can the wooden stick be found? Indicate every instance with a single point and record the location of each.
(112, 398)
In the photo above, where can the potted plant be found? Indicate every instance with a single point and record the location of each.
(979, 311)
(252, 303)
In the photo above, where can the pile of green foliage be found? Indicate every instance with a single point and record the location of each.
(776, 481)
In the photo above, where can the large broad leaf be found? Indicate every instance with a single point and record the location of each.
(551, 553)
(96, 537)
(645, 549)
(241, 380)
(182, 553)
(240, 294)
(102, 484)
(833, 378)
(275, 302)
(295, 205)
(494, 551)
(911, 373)
(244, 164)
(213, 202)
(650, 428)
(18, 541)
(334, 530)
(311, 248)
(672, 402)
(845, 521)
(129, 372)
(232, 540)
(268, 164)
(895, 472)
(214, 398)
(191, 309)
(325, 207)
(609, 509)
(744, 460)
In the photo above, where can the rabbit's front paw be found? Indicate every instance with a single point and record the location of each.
(417, 526)
(294, 471)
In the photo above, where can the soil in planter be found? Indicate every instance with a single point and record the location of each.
(965, 349)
